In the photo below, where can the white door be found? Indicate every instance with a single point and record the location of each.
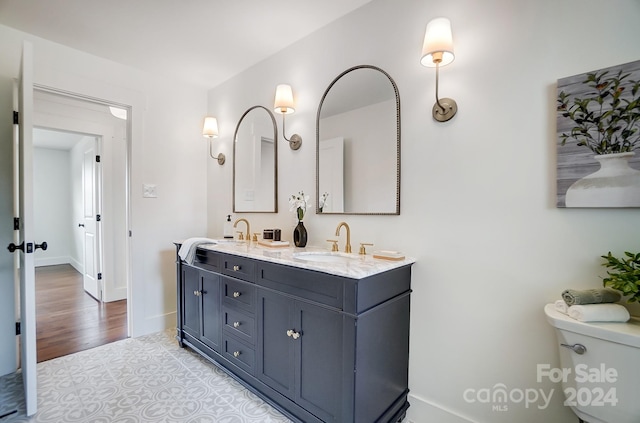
(331, 163)
(25, 242)
(91, 206)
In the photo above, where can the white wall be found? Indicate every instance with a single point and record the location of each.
(52, 205)
(477, 192)
(167, 150)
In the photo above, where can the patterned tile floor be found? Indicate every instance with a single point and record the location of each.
(146, 379)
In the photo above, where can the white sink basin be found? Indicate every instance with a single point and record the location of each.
(325, 257)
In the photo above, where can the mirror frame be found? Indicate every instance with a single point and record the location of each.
(397, 94)
(275, 161)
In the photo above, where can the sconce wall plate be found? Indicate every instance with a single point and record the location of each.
(447, 111)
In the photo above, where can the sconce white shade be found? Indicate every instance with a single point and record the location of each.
(210, 127)
(438, 43)
(284, 100)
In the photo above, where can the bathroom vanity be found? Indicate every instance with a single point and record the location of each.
(322, 338)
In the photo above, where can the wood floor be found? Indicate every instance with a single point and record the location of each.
(68, 319)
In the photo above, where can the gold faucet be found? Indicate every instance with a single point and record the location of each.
(347, 247)
(242, 219)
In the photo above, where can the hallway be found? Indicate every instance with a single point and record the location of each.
(68, 319)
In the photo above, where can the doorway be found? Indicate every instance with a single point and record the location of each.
(81, 210)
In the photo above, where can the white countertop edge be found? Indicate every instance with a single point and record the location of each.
(360, 267)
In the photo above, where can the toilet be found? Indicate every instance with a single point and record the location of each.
(600, 368)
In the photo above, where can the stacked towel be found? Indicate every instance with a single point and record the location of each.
(561, 306)
(590, 296)
(187, 250)
(599, 313)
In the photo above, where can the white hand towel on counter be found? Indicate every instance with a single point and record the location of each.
(561, 306)
(187, 250)
(599, 313)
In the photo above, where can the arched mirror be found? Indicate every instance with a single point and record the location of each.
(358, 144)
(255, 162)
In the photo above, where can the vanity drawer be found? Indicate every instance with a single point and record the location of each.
(240, 294)
(206, 259)
(307, 284)
(239, 323)
(238, 267)
(239, 354)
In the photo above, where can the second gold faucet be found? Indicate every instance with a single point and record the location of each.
(347, 247)
(242, 219)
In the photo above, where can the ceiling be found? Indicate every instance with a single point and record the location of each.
(204, 42)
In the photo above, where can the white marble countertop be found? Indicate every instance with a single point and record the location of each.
(353, 266)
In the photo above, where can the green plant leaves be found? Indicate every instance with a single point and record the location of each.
(624, 274)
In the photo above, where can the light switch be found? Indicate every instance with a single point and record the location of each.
(149, 191)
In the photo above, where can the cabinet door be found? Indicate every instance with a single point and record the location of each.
(211, 333)
(191, 301)
(275, 348)
(320, 364)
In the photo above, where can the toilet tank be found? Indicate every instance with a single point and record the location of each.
(601, 385)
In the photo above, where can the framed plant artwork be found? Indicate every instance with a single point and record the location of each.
(598, 138)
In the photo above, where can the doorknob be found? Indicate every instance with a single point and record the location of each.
(43, 246)
(80, 225)
(13, 247)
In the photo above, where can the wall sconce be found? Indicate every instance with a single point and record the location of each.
(210, 130)
(284, 105)
(437, 51)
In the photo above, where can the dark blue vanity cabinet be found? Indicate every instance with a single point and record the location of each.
(316, 346)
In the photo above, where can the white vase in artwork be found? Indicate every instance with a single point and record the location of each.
(615, 184)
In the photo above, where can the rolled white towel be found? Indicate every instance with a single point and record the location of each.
(561, 306)
(187, 250)
(599, 313)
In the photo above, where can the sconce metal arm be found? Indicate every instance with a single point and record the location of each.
(295, 141)
(220, 157)
(445, 109)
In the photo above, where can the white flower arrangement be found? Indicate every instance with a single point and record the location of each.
(323, 201)
(299, 202)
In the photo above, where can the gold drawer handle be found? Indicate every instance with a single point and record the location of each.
(236, 324)
(236, 294)
(236, 354)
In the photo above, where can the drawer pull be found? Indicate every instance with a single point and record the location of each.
(236, 324)
(236, 268)
(236, 294)
(293, 334)
(236, 354)
(196, 293)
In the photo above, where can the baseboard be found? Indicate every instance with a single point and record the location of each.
(76, 265)
(425, 411)
(52, 261)
(154, 324)
(116, 294)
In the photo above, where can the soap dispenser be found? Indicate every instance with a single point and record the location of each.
(228, 228)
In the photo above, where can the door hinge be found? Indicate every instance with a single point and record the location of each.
(16, 223)
(98, 218)
(99, 276)
(98, 159)
(18, 328)
(16, 118)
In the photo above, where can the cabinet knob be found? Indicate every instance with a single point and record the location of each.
(236, 268)
(236, 294)
(236, 354)
(236, 324)
(293, 334)
(196, 293)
